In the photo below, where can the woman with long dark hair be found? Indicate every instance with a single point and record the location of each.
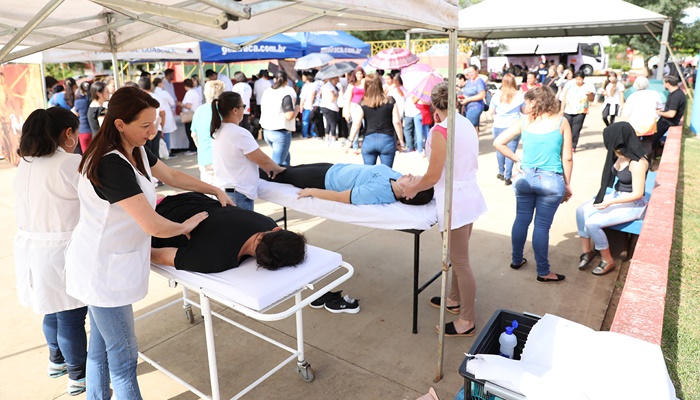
(277, 118)
(96, 109)
(382, 123)
(47, 211)
(354, 94)
(107, 260)
(237, 155)
(81, 108)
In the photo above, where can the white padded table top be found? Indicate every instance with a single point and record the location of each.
(258, 288)
(384, 216)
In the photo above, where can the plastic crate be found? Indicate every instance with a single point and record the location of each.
(487, 343)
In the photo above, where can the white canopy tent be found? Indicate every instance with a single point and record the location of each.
(122, 25)
(594, 17)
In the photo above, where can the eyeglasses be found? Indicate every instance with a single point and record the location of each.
(243, 106)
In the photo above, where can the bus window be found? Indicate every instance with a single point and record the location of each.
(591, 50)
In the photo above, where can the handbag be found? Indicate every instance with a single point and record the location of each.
(186, 116)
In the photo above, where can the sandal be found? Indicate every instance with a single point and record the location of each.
(519, 265)
(585, 259)
(451, 331)
(435, 302)
(603, 268)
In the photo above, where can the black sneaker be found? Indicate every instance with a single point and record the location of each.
(328, 297)
(344, 305)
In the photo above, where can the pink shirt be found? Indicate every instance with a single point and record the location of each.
(357, 94)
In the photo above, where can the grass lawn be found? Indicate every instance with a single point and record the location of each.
(681, 331)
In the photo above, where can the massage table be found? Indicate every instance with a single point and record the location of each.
(257, 293)
(394, 216)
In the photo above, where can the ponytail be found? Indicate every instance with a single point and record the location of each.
(222, 107)
(215, 118)
(42, 131)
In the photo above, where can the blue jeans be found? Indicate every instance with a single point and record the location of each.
(540, 191)
(113, 354)
(280, 142)
(379, 145)
(414, 132)
(306, 126)
(166, 139)
(241, 200)
(67, 341)
(505, 164)
(591, 221)
(473, 115)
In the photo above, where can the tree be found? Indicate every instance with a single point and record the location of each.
(680, 35)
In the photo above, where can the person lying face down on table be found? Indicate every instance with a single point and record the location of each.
(350, 183)
(225, 239)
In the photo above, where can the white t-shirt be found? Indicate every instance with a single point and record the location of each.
(168, 104)
(327, 92)
(410, 110)
(307, 96)
(506, 114)
(400, 99)
(614, 99)
(640, 110)
(232, 169)
(246, 92)
(226, 80)
(192, 97)
(260, 86)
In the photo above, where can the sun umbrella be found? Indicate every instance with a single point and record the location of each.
(415, 73)
(394, 58)
(425, 87)
(333, 70)
(313, 60)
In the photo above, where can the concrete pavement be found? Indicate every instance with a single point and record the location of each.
(371, 355)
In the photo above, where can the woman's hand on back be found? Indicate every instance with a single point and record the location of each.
(193, 222)
(223, 198)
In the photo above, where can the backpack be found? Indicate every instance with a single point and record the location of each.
(487, 100)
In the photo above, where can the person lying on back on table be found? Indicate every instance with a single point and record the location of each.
(350, 183)
(225, 239)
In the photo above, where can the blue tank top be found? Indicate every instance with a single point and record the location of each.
(542, 150)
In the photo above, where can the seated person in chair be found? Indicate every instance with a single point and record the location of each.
(350, 183)
(225, 239)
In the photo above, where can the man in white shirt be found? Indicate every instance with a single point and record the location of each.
(214, 76)
(306, 100)
(168, 83)
(261, 85)
(243, 88)
(153, 143)
(189, 105)
(168, 104)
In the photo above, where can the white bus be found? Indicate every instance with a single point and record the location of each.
(585, 54)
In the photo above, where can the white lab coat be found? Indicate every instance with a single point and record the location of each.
(108, 258)
(47, 211)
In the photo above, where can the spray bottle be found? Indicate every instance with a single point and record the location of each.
(508, 341)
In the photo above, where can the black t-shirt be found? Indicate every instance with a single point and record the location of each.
(215, 243)
(380, 119)
(676, 101)
(118, 179)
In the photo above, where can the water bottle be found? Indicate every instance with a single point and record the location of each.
(508, 341)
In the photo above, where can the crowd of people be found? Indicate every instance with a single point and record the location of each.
(88, 223)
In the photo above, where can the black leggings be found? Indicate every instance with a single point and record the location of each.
(331, 121)
(302, 176)
(606, 114)
(576, 122)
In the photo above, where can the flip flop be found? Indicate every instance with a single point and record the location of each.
(519, 265)
(451, 331)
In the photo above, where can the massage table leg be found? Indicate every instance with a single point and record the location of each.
(303, 368)
(211, 349)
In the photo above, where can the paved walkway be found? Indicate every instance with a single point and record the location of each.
(371, 355)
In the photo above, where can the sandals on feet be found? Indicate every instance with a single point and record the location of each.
(585, 259)
(435, 302)
(603, 268)
(514, 266)
(451, 331)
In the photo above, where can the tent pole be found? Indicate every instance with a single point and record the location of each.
(43, 81)
(662, 50)
(408, 40)
(449, 176)
(116, 71)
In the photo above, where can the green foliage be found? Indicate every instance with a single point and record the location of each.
(674, 9)
(373, 36)
(687, 38)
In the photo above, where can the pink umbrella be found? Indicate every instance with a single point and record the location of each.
(394, 58)
(412, 75)
(425, 87)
